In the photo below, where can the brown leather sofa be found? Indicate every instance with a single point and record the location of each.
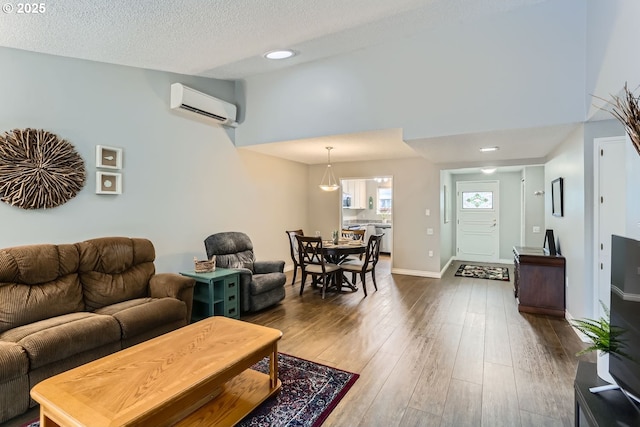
(65, 305)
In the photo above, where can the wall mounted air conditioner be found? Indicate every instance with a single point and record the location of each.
(185, 98)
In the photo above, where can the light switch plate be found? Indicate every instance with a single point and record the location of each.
(429, 231)
(536, 229)
(427, 212)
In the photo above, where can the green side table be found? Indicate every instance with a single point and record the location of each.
(215, 294)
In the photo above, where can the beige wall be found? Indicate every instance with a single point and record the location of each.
(265, 199)
(415, 188)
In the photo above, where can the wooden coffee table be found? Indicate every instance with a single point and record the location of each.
(196, 375)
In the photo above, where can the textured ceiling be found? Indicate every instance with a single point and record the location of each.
(226, 38)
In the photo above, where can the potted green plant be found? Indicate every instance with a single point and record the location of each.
(604, 338)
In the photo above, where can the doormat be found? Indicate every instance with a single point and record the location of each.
(482, 272)
(310, 391)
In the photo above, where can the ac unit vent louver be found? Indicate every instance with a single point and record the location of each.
(204, 113)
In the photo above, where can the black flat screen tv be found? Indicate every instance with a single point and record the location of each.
(625, 313)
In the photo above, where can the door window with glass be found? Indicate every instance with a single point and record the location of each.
(477, 200)
(478, 228)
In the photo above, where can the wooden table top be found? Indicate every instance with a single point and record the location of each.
(144, 384)
(344, 244)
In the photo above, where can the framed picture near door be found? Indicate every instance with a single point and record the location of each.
(557, 202)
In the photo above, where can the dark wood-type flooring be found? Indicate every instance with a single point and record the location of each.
(434, 352)
(431, 352)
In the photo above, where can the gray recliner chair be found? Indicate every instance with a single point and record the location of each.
(261, 282)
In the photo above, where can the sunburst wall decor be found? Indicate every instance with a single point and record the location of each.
(38, 170)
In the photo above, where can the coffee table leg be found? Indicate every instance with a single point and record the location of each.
(273, 366)
(47, 422)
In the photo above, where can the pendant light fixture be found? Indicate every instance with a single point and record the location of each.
(329, 181)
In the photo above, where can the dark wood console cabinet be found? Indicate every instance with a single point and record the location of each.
(539, 281)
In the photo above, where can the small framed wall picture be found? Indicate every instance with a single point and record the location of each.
(108, 183)
(108, 157)
(557, 197)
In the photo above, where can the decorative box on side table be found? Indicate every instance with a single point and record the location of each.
(215, 294)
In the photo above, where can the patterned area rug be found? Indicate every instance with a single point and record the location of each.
(310, 391)
(482, 272)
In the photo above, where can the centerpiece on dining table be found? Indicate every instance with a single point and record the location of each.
(340, 240)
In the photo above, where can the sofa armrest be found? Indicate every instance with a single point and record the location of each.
(175, 286)
(263, 267)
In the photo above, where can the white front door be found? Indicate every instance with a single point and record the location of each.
(478, 227)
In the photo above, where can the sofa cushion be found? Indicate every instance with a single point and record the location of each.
(60, 337)
(115, 269)
(38, 282)
(262, 283)
(144, 314)
(13, 361)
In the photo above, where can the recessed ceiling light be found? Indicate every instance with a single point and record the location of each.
(489, 149)
(488, 171)
(279, 54)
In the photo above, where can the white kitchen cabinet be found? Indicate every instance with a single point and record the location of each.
(357, 189)
(360, 194)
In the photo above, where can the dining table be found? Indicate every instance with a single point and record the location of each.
(337, 253)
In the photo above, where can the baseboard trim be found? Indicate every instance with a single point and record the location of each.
(499, 261)
(446, 266)
(419, 273)
(580, 335)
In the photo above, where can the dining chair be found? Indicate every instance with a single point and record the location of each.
(312, 261)
(354, 235)
(369, 263)
(293, 247)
